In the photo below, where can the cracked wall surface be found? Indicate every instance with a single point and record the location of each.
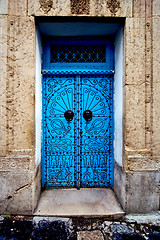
(139, 173)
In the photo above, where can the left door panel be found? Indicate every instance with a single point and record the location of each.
(59, 136)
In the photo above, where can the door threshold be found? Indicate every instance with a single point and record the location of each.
(86, 202)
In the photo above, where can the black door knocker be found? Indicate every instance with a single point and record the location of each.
(69, 115)
(87, 114)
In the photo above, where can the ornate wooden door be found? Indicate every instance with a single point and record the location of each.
(77, 129)
(96, 133)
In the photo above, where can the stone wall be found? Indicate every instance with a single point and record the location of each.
(136, 181)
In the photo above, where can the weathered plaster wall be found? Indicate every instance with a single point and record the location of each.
(3, 79)
(85, 8)
(118, 97)
(156, 89)
(141, 165)
(136, 181)
(17, 164)
(38, 99)
(4, 7)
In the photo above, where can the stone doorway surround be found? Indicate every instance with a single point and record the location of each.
(136, 155)
(105, 28)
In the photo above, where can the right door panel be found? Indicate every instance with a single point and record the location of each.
(96, 131)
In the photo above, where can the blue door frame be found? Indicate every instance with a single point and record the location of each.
(77, 149)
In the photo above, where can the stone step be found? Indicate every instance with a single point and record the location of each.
(79, 203)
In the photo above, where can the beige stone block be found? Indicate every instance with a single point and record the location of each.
(142, 194)
(140, 160)
(135, 116)
(21, 86)
(99, 8)
(3, 79)
(148, 8)
(109, 8)
(16, 192)
(22, 152)
(139, 8)
(49, 8)
(16, 164)
(122, 8)
(138, 192)
(156, 88)
(148, 67)
(142, 8)
(23, 156)
(135, 50)
(156, 49)
(3, 6)
(17, 7)
(36, 187)
(156, 119)
(156, 7)
(120, 184)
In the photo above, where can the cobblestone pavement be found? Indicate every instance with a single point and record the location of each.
(40, 228)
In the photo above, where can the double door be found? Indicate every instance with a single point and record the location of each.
(77, 130)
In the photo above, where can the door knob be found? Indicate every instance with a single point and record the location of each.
(87, 114)
(69, 115)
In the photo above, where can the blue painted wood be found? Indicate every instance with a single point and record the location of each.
(96, 147)
(82, 65)
(59, 135)
(77, 153)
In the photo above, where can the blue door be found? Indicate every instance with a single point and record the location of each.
(77, 121)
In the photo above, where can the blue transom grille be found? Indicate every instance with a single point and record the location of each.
(77, 53)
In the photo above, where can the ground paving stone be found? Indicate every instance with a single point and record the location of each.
(50, 230)
(120, 228)
(90, 235)
(127, 236)
(18, 228)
